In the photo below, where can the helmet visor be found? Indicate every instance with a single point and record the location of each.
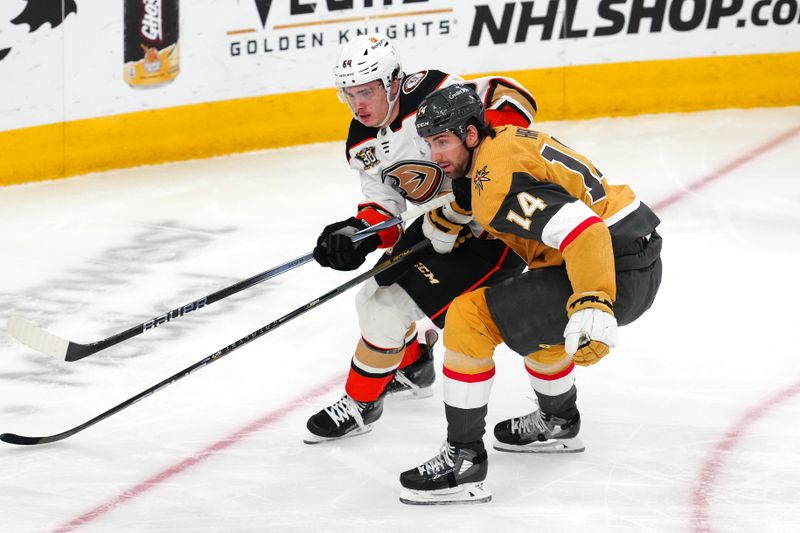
(368, 102)
(364, 94)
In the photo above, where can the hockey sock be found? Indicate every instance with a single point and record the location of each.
(465, 425)
(371, 370)
(561, 405)
(467, 386)
(412, 352)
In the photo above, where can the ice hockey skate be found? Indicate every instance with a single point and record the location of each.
(539, 432)
(456, 475)
(416, 380)
(345, 418)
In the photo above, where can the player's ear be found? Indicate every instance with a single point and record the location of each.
(395, 88)
(472, 138)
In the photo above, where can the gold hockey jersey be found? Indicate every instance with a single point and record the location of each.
(551, 206)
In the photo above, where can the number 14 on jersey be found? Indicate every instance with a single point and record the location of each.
(529, 204)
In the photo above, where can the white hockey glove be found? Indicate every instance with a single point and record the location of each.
(592, 329)
(446, 227)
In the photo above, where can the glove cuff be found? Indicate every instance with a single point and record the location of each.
(590, 300)
(455, 213)
(440, 222)
(368, 244)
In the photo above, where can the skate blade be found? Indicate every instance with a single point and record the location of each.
(549, 446)
(316, 439)
(411, 394)
(462, 494)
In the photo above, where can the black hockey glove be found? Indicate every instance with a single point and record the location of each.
(336, 250)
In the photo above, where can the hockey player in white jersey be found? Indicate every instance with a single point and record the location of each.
(394, 167)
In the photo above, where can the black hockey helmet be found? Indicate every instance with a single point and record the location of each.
(451, 108)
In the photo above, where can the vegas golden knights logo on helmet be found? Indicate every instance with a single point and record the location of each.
(417, 181)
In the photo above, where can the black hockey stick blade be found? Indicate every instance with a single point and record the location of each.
(403, 257)
(11, 438)
(48, 343)
(21, 440)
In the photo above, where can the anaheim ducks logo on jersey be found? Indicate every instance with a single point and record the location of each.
(418, 181)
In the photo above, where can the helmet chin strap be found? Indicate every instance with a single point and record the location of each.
(392, 102)
(471, 152)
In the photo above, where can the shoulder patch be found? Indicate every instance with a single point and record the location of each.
(481, 175)
(367, 157)
(358, 134)
(412, 81)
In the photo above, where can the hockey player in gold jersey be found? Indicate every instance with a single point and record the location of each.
(593, 258)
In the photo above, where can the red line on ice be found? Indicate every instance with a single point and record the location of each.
(158, 479)
(705, 484)
(727, 168)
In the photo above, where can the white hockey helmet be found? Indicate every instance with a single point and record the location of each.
(366, 58)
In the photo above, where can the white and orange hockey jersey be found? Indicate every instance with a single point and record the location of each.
(394, 162)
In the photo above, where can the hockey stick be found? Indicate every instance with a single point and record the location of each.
(48, 343)
(402, 257)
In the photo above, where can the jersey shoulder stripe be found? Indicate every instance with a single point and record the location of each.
(577, 230)
(499, 88)
(358, 134)
(415, 88)
(639, 222)
(501, 93)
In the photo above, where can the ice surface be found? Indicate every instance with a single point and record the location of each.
(691, 424)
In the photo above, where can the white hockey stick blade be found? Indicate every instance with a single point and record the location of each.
(35, 337)
(465, 493)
